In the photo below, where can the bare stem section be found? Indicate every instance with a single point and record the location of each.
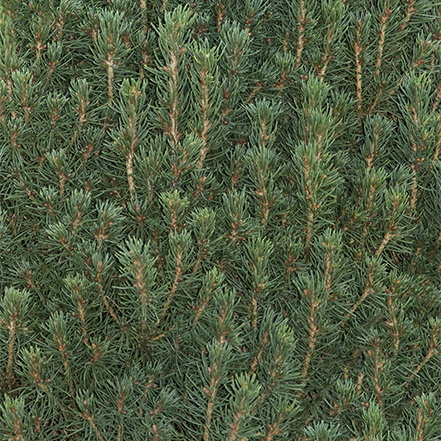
(12, 334)
(109, 82)
(358, 49)
(302, 25)
(383, 22)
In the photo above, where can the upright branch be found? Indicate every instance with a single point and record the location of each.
(220, 9)
(435, 332)
(393, 321)
(133, 123)
(173, 36)
(76, 287)
(358, 48)
(179, 242)
(246, 391)
(334, 16)
(377, 359)
(131, 133)
(383, 24)
(409, 12)
(13, 311)
(258, 252)
(14, 418)
(110, 45)
(219, 355)
(100, 288)
(80, 94)
(302, 25)
(262, 159)
(86, 414)
(206, 73)
(58, 329)
(313, 330)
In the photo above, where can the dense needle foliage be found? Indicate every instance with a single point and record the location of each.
(220, 220)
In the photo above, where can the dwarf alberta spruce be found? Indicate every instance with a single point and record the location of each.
(220, 221)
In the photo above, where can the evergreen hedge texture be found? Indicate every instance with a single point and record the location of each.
(220, 220)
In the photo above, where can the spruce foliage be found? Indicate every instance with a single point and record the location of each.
(220, 220)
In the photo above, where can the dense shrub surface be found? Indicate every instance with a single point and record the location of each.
(220, 220)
